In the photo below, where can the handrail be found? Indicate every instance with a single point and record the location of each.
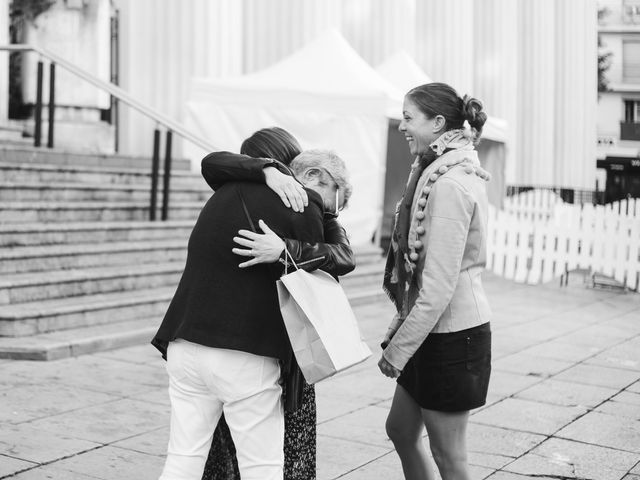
(116, 91)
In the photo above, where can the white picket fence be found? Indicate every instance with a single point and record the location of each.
(544, 238)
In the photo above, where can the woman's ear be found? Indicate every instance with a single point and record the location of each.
(439, 124)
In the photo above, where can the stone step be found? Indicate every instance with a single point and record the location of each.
(34, 234)
(29, 287)
(65, 192)
(90, 255)
(114, 334)
(79, 341)
(23, 155)
(52, 315)
(47, 174)
(19, 212)
(36, 286)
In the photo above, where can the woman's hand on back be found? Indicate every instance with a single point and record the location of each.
(263, 247)
(290, 191)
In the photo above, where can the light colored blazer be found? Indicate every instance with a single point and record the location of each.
(448, 295)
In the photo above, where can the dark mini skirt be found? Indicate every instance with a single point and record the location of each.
(450, 371)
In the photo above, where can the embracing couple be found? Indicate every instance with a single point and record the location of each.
(240, 407)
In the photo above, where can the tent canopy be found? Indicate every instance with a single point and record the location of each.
(327, 97)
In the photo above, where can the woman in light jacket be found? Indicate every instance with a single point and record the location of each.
(439, 343)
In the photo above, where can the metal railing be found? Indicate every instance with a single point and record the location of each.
(121, 95)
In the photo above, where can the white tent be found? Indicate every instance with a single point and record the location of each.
(327, 96)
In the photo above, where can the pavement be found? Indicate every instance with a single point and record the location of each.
(564, 400)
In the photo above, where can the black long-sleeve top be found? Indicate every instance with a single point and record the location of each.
(335, 256)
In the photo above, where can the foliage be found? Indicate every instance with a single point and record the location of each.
(21, 13)
(604, 58)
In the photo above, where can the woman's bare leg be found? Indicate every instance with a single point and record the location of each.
(405, 428)
(448, 441)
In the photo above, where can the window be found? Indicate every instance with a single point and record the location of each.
(631, 61)
(631, 11)
(632, 111)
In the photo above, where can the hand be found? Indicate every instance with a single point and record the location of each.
(263, 247)
(387, 369)
(290, 191)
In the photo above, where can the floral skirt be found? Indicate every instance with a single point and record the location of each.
(299, 445)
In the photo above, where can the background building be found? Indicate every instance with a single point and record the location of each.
(619, 103)
(533, 63)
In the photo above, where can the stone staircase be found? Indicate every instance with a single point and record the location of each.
(81, 267)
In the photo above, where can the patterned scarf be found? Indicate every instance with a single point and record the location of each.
(399, 269)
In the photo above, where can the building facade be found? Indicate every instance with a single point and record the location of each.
(533, 63)
(619, 103)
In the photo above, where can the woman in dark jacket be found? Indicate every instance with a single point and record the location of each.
(263, 158)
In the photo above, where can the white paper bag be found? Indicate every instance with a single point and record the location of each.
(322, 327)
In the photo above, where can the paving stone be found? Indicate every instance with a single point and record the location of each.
(599, 376)
(366, 425)
(94, 373)
(567, 393)
(368, 386)
(108, 463)
(329, 407)
(636, 469)
(606, 430)
(30, 443)
(631, 477)
(599, 336)
(486, 439)
(51, 472)
(563, 350)
(108, 423)
(563, 458)
(634, 388)
(525, 364)
(527, 416)
(146, 353)
(152, 443)
(620, 409)
(337, 456)
(28, 402)
(624, 355)
(515, 476)
(10, 465)
(155, 395)
(503, 345)
(506, 384)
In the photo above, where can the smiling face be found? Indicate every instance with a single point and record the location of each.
(418, 129)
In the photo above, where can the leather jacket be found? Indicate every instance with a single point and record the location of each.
(334, 256)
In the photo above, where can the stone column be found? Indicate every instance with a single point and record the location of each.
(444, 32)
(536, 99)
(4, 61)
(166, 43)
(576, 94)
(495, 76)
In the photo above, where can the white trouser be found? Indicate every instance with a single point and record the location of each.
(203, 382)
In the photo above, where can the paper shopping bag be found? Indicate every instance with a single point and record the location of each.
(321, 325)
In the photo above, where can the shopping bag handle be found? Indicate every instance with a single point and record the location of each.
(253, 229)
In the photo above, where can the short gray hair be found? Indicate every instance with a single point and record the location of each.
(328, 160)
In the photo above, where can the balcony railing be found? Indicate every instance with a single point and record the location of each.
(630, 131)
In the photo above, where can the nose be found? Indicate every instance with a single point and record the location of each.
(401, 127)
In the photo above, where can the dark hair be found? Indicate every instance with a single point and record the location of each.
(272, 142)
(441, 99)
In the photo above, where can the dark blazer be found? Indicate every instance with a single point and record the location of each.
(218, 304)
(334, 255)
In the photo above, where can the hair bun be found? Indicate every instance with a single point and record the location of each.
(472, 112)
